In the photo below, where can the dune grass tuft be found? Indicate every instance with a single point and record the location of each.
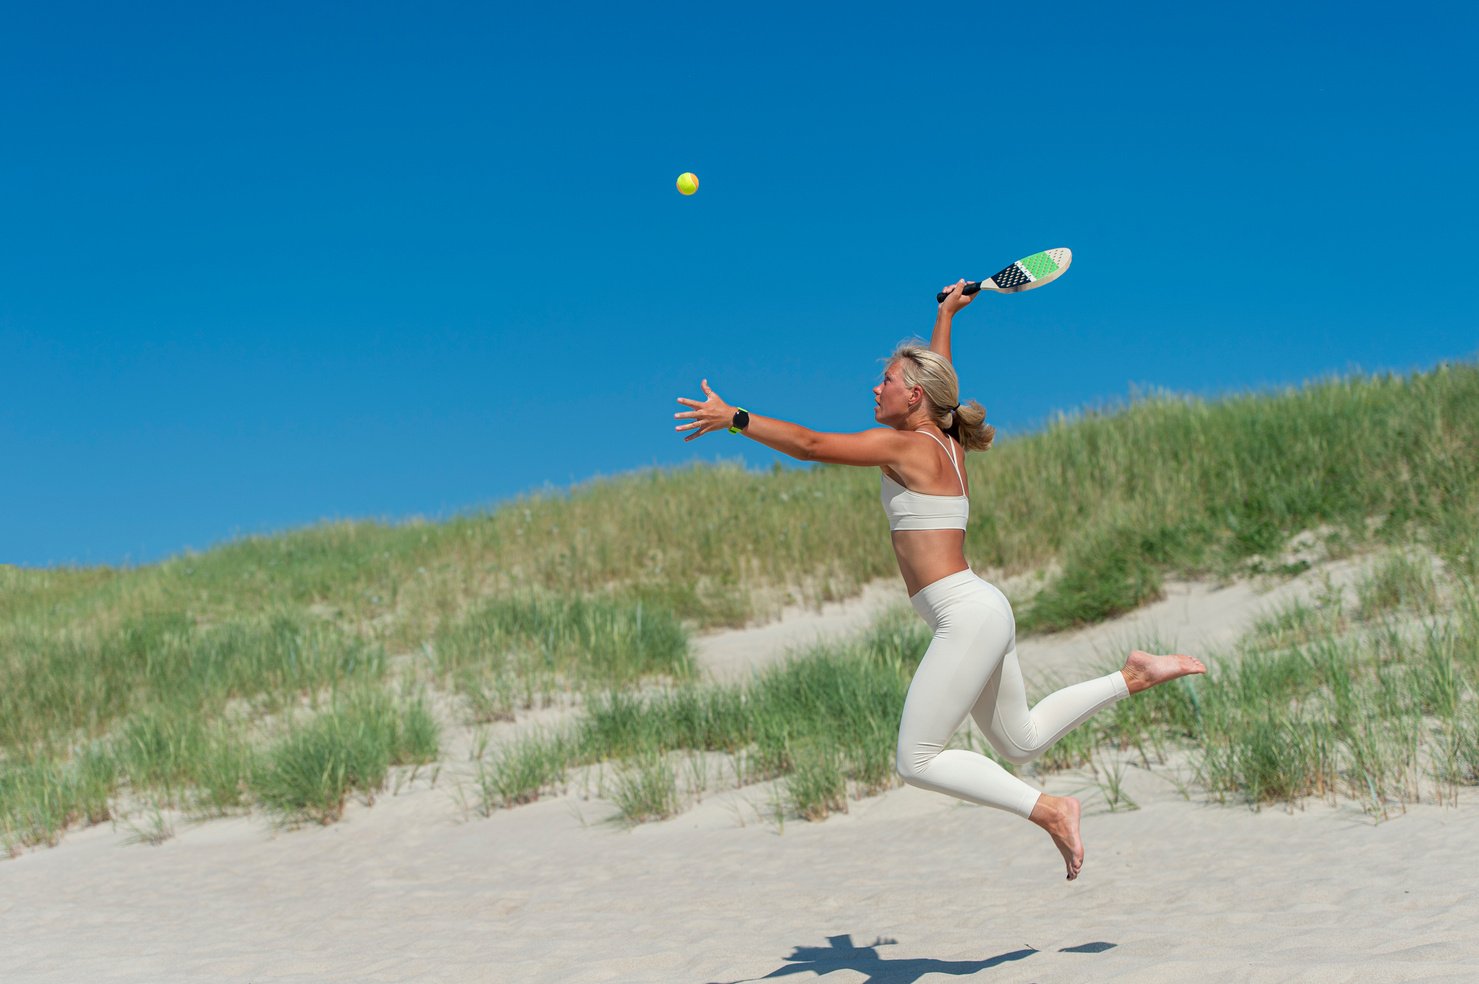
(347, 747)
(510, 652)
(523, 770)
(646, 789)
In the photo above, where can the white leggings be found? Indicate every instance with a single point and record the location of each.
(971, 668)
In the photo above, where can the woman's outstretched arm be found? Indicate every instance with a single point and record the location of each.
(953, 302)
(879, 446)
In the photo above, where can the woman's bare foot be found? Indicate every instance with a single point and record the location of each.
(1143, 671)
(1058, 815)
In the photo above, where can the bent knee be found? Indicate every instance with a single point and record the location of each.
(1009, 751)
(911, 768)
(1016, 756)
(913, 764)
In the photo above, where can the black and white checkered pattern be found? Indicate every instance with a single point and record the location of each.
(1012, 276)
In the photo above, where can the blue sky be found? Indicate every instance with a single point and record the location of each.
(268, 264)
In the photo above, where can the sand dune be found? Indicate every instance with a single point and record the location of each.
(1196, 617)
(908, 886)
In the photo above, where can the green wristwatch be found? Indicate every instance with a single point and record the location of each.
(741, 420)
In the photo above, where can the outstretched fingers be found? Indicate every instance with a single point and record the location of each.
(704, 416)
(682, 414)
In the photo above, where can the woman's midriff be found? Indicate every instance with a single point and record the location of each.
(925, 556)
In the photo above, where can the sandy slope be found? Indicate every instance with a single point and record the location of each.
(1194, 617)
(906, 887)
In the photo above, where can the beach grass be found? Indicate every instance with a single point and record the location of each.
(518, 652)
(1376, 706)
(41, 797)
(1379, 705)
(1170, 482)
(823, 722)
(347, 747)
(520, 771)
(646, 789)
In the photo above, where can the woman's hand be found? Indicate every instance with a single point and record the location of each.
(710, 415)
(954, 299)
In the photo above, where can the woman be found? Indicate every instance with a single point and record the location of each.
(970, 667)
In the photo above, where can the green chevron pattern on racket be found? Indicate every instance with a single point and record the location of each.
(1029, 272)
(1038, 264)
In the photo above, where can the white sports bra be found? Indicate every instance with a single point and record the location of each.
(908, 510)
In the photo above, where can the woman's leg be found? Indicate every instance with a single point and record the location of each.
(970, 642)
(1021, 735)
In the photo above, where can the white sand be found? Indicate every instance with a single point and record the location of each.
(412, 889)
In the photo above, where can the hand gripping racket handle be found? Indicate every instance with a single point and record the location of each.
(971, 287)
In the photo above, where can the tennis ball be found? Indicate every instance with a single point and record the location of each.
(688, 182)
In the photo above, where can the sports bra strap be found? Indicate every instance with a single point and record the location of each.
(951, 452)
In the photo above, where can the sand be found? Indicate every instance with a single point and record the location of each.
(908, 886)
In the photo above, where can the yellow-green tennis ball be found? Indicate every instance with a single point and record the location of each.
(688, 182)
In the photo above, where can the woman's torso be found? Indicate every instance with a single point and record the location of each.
(926, 555)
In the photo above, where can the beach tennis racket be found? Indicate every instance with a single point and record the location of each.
(1027, 273)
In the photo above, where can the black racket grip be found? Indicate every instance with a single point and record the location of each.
(970, 288)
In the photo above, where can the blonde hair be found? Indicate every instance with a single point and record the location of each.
(933, 373)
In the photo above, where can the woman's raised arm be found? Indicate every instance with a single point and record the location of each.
(953, 302)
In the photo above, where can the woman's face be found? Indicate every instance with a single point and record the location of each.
(891, 397)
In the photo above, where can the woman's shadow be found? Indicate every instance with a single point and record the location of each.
(841, 954)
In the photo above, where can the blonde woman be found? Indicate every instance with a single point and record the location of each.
(970, 667)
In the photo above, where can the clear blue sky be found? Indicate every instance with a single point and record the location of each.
(266, 264)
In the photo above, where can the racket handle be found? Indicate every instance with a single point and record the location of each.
(971, 287)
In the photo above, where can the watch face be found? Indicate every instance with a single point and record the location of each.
(742, 419)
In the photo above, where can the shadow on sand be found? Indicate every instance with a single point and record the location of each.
(842, 954)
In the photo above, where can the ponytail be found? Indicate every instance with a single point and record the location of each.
(933, 373)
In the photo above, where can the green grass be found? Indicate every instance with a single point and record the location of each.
(186, 761)
(1105, 576)
(348, 747)
(817, 784)
(1400, 582)
(43, 797)
(71, 680)
(522, 770)
(512, 652)
(1316, 701)
(1360, 715)
(647, 789)
(825, 722)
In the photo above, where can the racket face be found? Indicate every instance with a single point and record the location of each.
(1030, 271)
